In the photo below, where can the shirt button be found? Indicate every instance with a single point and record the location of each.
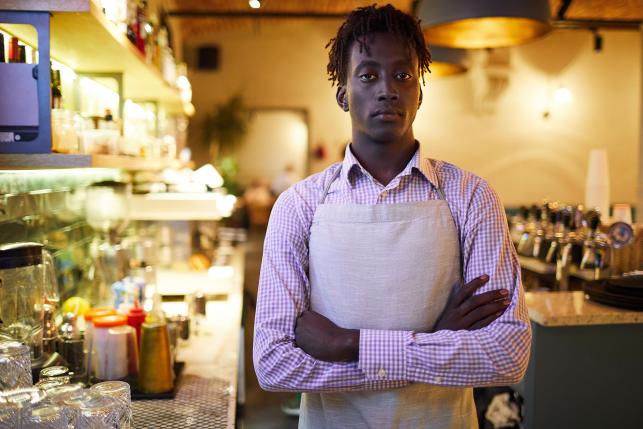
(439, 379)
(384, 194)
(381, 373)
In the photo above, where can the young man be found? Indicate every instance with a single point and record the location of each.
(389, 285)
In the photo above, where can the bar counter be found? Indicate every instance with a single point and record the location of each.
(207, 392)
(574, 309)
(585, 365)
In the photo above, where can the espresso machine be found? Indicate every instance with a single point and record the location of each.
(28, 292)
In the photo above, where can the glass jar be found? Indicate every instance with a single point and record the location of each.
(27, 282)
(92, 410)
(45, 416)
(16, 404)
(15, 365)
(59, 395)
(120, 391)
(59, 373)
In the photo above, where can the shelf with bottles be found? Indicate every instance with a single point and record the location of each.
(92, 123)
(90, 41)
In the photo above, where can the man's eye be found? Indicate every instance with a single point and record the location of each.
(366, 77)
(403, 76)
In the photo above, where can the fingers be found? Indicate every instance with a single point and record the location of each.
(484, 298)
(486, 321)
(492, 311)
(467, 290)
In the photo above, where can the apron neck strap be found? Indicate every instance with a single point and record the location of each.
(330, 182)
(437, 188)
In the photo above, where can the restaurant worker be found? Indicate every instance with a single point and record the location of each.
(389, 285)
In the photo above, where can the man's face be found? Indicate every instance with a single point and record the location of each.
(382, 89)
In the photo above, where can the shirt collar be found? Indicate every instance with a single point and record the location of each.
(419, 162)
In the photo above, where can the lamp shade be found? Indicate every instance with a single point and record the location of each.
(476, 24)
(447, 61)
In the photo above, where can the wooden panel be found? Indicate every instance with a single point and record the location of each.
(300, 6)
(198, 26)
(600, 9)
(50, 5)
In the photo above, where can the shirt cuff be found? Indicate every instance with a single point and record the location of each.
(382, 354)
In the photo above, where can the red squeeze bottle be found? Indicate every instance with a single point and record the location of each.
(135, 319)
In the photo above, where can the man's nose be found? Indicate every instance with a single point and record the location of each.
(387, 90)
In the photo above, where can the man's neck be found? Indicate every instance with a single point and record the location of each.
(384, 161)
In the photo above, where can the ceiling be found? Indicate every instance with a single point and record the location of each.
(207, 16)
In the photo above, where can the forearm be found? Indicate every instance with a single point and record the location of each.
(469, 358)
(495, 355)
(281, 366)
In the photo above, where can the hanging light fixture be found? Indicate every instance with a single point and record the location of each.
(447, 61)
(474, 24)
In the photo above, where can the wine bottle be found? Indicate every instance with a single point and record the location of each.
(56, 90)
(22, 54)
(14, 54)
(2, 58)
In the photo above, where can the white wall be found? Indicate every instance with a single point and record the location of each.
(275, 139)
(525, 156)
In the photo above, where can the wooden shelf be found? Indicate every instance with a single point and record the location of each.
(129, 163)
(176, 206)
(88, 42)
(47, 161)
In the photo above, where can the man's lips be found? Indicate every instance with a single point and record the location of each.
(387, 113)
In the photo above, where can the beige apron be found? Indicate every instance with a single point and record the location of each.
(385, 267)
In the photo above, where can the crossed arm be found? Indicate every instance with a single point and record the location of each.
(472, 345)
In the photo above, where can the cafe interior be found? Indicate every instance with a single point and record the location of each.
(144, 143)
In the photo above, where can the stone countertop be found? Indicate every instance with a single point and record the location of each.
(574, 309)
(207, 394)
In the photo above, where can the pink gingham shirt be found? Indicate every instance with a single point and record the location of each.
(494, 355)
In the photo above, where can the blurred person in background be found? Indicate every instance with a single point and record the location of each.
(284, 180)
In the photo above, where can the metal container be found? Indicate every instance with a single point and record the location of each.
(155, 373)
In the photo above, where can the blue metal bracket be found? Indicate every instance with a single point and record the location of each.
(27, 137)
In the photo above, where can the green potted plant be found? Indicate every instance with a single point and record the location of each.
(224, 129)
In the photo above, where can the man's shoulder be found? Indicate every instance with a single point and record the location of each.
(463, 187)
(452, 176)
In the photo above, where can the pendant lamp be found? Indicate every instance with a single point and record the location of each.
(476, 24)
(447, 61)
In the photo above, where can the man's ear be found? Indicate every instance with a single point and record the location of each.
(421, 95)
(342, 99)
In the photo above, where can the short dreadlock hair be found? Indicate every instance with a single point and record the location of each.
(372, 19)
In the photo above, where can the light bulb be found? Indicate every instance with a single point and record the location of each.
(255, 4)
(563, 95)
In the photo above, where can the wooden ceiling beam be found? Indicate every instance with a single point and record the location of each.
(594, 24)
(256, 15)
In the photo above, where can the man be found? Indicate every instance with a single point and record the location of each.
(389, 285)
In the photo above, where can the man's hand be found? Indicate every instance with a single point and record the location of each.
(323, 340)
(466, 311)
